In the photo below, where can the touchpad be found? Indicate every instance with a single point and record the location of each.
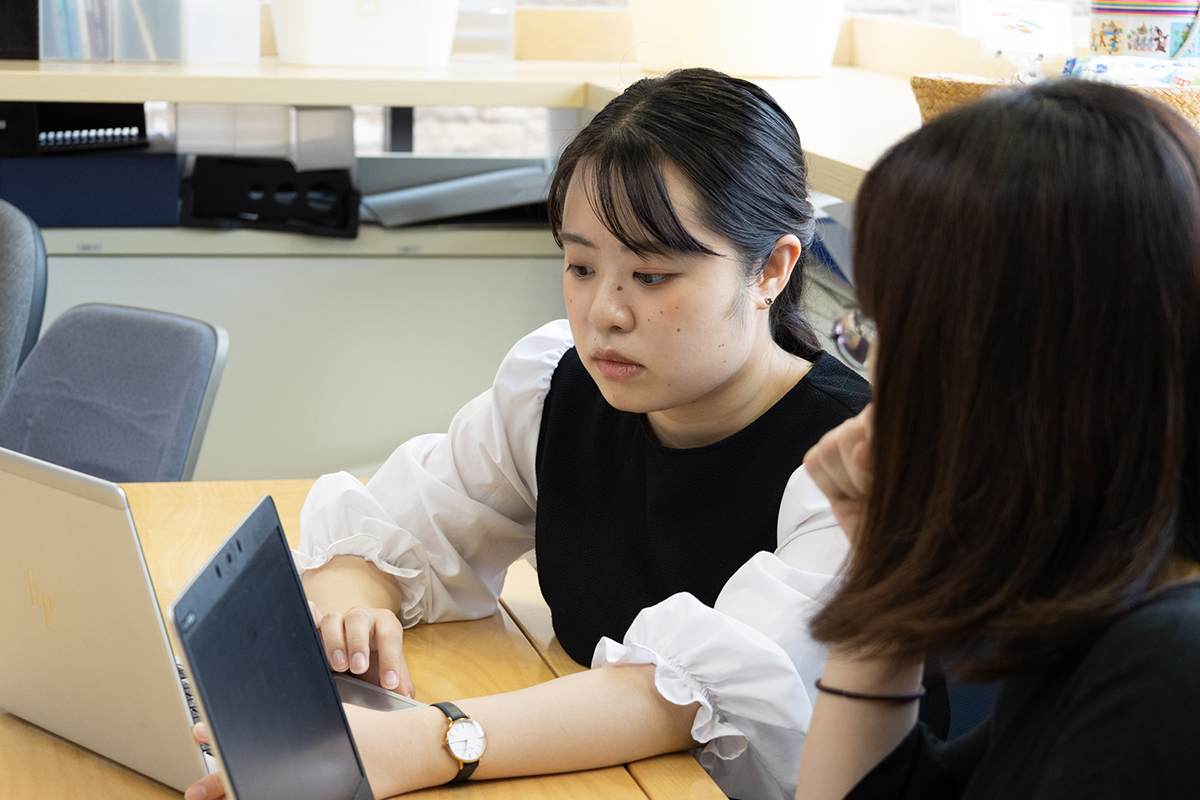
(358, 692)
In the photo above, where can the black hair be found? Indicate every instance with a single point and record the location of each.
(1032, 263)
(736, 147)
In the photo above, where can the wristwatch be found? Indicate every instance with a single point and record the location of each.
(465, 740)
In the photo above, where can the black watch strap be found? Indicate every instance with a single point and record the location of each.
(464, 772)
(450, 710)
(454, 713)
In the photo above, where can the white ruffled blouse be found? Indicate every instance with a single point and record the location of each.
(448, 513)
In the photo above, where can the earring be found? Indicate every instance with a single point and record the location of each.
(770, 300)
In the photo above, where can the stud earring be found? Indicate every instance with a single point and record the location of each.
(770, 300)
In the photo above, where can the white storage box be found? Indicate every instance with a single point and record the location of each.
(324, 138)
(751, 38)
(222, 31)
(485, 30)
(210, 31)
(251, 131)
(205, 129)
(365, 33)
(262, 131)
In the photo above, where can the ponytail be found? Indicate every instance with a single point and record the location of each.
(789, 327)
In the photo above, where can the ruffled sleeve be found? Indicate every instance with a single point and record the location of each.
(748, 661)
(447, 513)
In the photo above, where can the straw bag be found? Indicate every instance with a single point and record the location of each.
(939, 93)
(1165, 29)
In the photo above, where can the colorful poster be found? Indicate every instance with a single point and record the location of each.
(1148, 29)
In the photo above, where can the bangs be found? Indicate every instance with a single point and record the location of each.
(627, 192)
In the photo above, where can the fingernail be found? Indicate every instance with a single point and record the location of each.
(339, 659)
(358, 662)
(196, 792)
(390, 680)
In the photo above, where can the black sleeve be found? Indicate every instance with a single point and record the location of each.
(922, 767)
(1131, 720)
(1119, 722)
(935, 705)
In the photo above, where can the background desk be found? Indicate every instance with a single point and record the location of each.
(179, 525)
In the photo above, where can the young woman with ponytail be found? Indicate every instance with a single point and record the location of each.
(649, 448)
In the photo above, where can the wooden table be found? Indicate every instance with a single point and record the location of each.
(180, 523)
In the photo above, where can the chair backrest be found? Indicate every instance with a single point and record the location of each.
(120, 393)
(22, 289)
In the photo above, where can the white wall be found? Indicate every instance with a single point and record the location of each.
(332, 361)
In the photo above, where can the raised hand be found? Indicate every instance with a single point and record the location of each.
(840, 465)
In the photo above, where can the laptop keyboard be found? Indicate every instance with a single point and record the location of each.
(195, 712)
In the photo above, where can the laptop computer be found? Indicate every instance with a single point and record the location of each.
(85, 651)
(261, 680)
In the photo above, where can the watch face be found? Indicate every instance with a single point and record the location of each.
(466, 740)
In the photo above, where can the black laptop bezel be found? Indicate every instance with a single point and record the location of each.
(258, 530)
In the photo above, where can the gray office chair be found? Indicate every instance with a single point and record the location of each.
(22, 289)
(120, 393)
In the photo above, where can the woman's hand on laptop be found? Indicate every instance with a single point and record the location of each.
(367, 642)
(352, 601)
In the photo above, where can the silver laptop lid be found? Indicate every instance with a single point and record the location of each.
(85, 651)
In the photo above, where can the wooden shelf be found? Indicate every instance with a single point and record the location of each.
(846, 119)
(555, 84)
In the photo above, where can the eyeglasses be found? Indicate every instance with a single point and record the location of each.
(853, 334)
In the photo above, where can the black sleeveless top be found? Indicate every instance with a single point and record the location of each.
(624, 523)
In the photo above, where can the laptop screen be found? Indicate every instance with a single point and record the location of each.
(258, 667)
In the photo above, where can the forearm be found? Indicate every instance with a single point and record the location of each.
(848, 737)
(347, 582)
(598, 718)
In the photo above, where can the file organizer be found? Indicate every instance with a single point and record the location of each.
(209, 31)
(78, 30)
(268, 193)
(31, 129)
(148, 30)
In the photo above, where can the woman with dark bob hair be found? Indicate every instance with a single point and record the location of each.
(649, 447)
(1022, 494)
